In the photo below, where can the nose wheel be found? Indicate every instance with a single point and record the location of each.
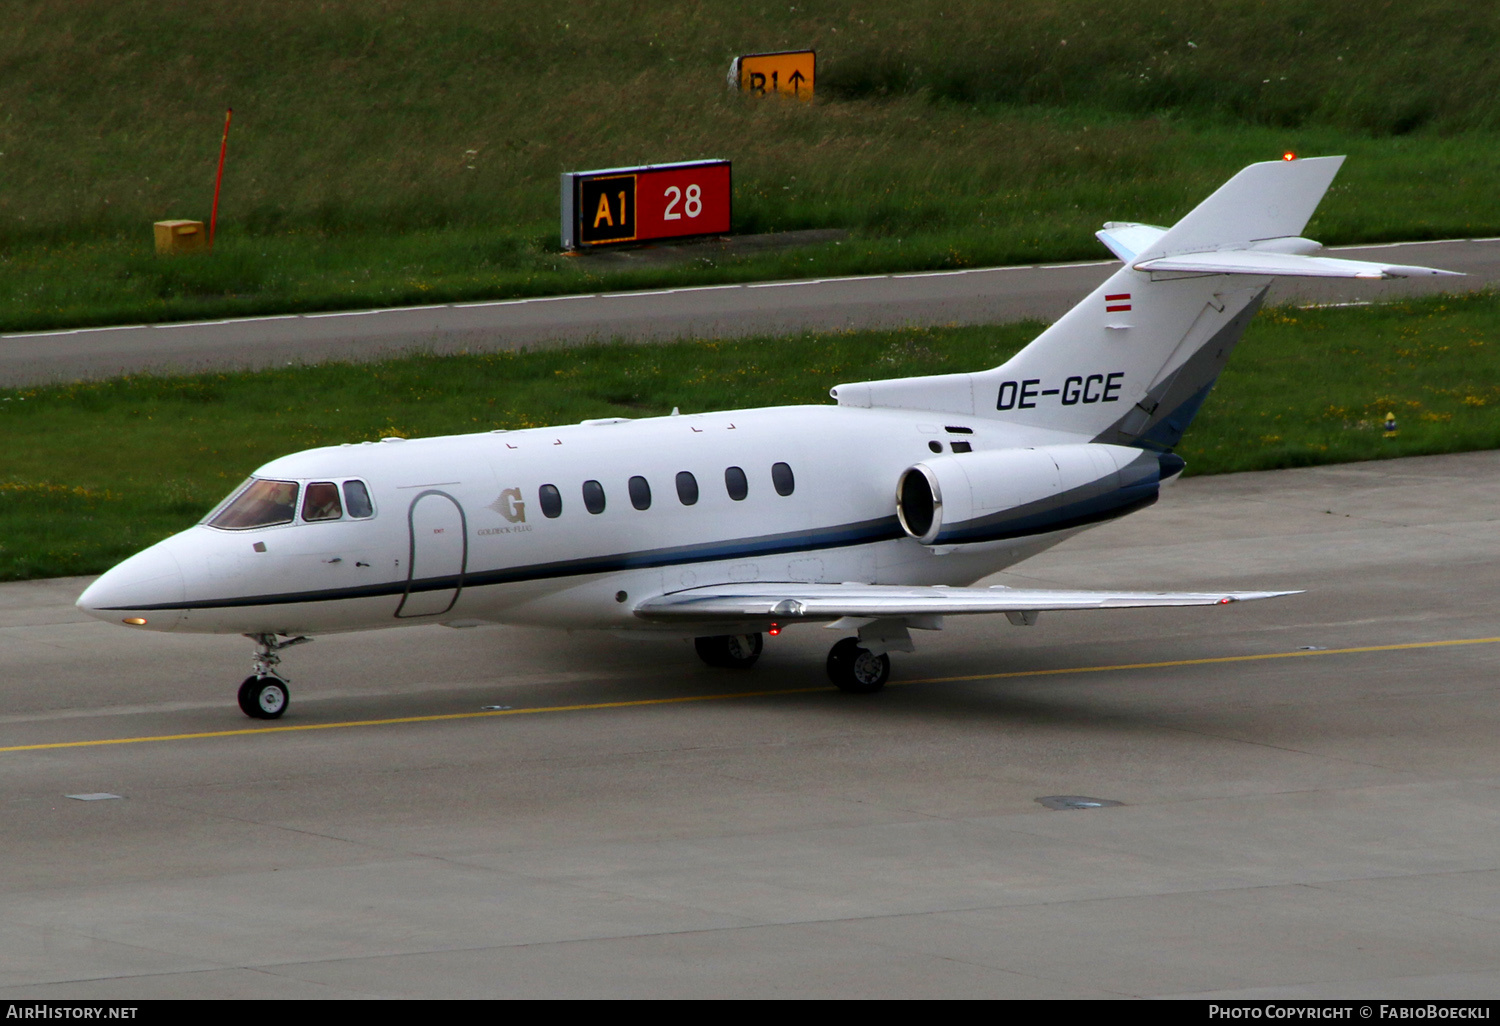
(264, 694)
(263, 698)
(856, 670)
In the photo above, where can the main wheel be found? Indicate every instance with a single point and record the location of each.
(856, 670)
(729, 651)
(263, 698)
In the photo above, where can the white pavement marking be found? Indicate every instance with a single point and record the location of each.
(484, 304)
(490, 303)
(481, 304)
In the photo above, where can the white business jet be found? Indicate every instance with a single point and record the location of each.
(874, 515)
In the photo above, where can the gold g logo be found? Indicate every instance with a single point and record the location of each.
(510, 506)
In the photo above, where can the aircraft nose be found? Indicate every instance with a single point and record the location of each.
(133, 591)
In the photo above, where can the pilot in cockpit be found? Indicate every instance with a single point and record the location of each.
(322, 502)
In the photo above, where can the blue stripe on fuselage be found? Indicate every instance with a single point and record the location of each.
(1073, 514)
(840, 536)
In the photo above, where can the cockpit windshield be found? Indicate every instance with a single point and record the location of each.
(262, 504)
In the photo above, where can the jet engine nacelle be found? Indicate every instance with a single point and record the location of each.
(1008, 493)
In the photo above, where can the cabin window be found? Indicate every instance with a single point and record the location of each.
(640, 492)
(781, 477)
(550, 499)
(320, 501)
(262, 504)
(357, 500)
(687, 488)
(737, 484)
(593, 496)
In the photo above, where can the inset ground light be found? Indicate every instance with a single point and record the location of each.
(1075, 801)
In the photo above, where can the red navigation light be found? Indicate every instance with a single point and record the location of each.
(774, 629)
(1288, 155)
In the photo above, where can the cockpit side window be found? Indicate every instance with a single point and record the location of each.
(357, 500)
(321, 502)
(263, 504)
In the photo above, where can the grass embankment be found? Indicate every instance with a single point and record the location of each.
(402, 152)
(96, 471)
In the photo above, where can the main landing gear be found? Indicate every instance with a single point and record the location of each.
(729, 651)
(264, 694)
(856, 670)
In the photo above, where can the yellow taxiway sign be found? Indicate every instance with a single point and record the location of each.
(788, 73)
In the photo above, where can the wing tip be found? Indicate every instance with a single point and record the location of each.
(1252, 596)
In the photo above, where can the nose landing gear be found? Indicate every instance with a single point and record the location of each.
(264, 694)
(263, 697)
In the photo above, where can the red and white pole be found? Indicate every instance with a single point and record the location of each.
(213, 222)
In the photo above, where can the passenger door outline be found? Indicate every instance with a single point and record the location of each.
(429, 602)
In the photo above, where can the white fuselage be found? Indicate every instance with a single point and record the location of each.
(458, 534)
(872, 513)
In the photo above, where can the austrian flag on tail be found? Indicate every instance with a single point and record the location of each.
(1118, 301)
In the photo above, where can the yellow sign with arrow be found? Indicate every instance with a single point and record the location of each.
(788, 73)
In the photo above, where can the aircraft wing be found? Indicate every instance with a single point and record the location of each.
(787, 602)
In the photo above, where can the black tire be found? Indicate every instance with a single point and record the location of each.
(730, 651)
(264, 698)
(855, 670)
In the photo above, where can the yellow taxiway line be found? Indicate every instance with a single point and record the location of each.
(534, 710)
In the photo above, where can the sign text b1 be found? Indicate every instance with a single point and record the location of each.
(787, 73)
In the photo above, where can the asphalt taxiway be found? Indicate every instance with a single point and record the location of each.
(988, 295)
(1309, 788)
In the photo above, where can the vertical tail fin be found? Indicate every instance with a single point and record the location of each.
(1132, 363)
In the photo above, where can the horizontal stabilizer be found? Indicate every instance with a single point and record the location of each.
(786, 602)
(1127, 241)
(1263, 263)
